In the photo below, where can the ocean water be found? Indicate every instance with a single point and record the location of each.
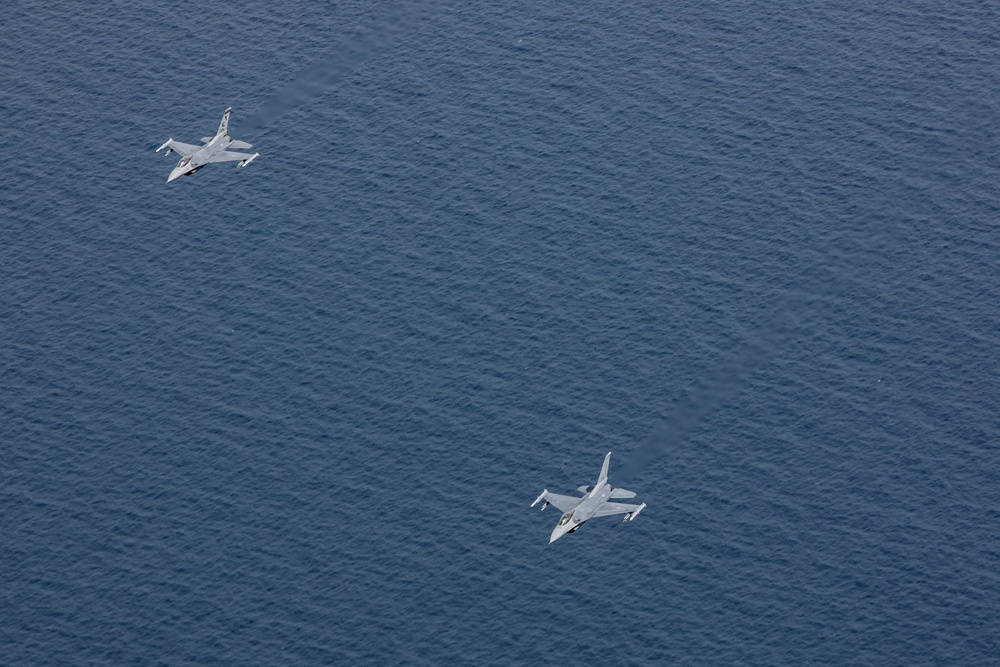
(295, 414)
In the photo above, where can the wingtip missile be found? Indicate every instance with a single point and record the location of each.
(632, 515)
(250, 159)
(165, 144)
(542, 495)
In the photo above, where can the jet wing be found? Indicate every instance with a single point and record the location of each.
(182, 148)
(564, 503)
(609, 509)
(229, 156)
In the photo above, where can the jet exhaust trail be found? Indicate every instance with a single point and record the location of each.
(718, 386)
(367, 40)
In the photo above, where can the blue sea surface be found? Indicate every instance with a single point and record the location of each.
(295, 414)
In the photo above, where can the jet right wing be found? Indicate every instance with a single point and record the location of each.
(564, 503)
(610, 509)
(230, 156)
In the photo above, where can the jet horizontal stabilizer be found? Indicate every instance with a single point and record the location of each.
(622, 493)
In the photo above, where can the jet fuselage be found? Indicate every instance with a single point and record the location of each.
(201, 157)
(582, 512)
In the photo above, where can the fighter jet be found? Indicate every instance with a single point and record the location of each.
(214, 149)
(593, 504)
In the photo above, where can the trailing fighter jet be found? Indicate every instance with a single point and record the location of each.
(594, 503)
(215, 149)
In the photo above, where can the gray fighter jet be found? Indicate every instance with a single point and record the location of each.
(594, 503)
(214, 149)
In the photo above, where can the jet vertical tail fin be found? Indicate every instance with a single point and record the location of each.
(604, 470)
(224, 125)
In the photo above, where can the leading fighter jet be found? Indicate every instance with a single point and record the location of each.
(215, 149)
(593, 503)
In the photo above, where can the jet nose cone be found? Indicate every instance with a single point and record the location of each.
(174, 175)
(557, 532)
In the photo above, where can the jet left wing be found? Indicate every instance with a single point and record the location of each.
(178, 147)
(564, 503)
(610, 509)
